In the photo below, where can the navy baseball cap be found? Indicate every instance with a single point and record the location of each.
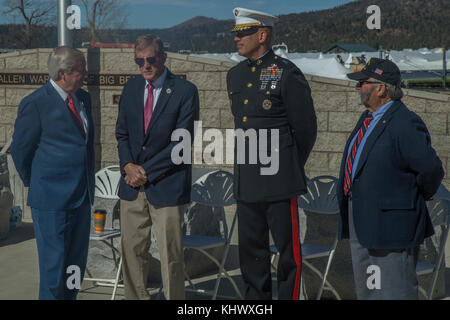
(380, 69)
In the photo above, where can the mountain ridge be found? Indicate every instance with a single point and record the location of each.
(404, 24)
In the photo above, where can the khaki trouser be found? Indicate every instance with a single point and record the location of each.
(136, 219)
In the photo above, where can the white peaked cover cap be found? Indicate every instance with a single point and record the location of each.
(246, 18)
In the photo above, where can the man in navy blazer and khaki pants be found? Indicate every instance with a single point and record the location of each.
(389, 169)
(53, 152)
(153, 190)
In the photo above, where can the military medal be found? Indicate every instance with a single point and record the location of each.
(267, 104)
(272, 73)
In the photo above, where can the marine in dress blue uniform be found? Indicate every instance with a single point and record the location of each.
(269, 92)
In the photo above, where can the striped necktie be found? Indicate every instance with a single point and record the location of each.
(352, 154)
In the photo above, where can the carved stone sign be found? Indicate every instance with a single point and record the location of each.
(112, 80)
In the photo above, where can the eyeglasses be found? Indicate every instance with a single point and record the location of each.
(361, 83)
(244, 33)
(141, 61)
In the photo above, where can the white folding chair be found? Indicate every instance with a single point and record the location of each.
(320, 200)
(439, 212)
(215, 190)
(106, 187)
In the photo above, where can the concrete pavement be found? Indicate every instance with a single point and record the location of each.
(19, 273)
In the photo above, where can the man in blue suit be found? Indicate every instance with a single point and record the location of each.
(389, 169)
(53, 152)
(153, 190)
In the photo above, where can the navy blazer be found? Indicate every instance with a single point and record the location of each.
(51, 156)
(397, 171)
(177, 107)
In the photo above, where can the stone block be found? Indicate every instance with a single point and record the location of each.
(26, 62)
(185, 66)
(343, 121)
(205, 80)
(177, 56)
(2, 64)
(317, 161)
(334, 160)
(109, 151)
(437, 106)
(223, 81)
(343, 84)
(226, 119)
(353, 104)
(9, 129)
(43, 61)
(335, 101)
(441, 143)
(322, 87)
(216, 100)
(322, 121)
(210, 118)
(435, 122)
(119, 62)
(414, 104)
(15, 95)
(109, 116)
(315, 173)
(108, 134)
(2, 96)
(2, 135)
(330, 142)
(107, 98)
(205, 61)
(215, 68)
(9, 115)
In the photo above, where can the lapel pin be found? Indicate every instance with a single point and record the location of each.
(384, 121)
(169, 91)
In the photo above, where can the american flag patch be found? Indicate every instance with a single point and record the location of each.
(378, 71)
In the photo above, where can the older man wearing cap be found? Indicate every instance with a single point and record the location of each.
(389, 169)
(269, 92)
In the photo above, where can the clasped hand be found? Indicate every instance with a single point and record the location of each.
(135, 175)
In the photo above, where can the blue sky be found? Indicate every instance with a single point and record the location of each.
(167, 13)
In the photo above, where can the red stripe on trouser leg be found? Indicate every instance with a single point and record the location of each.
(296, 247)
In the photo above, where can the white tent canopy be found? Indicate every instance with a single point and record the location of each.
(327, 65)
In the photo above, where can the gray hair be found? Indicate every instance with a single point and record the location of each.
(63, 59)
(147, 40)
(394, 92)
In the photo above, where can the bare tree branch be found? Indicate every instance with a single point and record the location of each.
(104, 14)
(33, 13)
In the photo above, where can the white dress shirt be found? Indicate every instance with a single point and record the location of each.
(157, 87)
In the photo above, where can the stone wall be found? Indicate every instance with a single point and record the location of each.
(335, 103)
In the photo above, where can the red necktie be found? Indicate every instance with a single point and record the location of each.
(148, 109)
(351, 156)
(75, 115)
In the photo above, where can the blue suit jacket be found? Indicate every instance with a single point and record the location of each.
(49, 152)
(177, 108)
(398, 170)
